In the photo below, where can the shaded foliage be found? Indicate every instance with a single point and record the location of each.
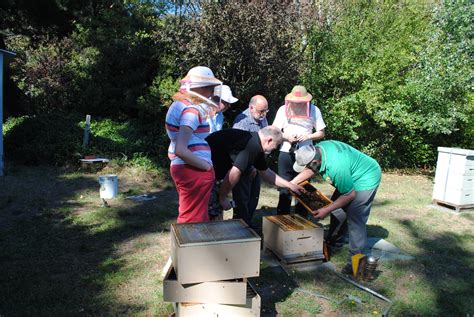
(51, 139)
(392, 78)
(101, 67)
(56, 139)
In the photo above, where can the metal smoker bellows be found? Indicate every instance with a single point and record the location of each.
(370, 267)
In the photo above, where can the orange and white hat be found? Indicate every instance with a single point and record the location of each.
(298, 94)
(297, 103)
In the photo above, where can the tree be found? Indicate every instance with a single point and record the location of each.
(253, 47)
(386, 82)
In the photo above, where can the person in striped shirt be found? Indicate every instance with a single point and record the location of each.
(191, 164)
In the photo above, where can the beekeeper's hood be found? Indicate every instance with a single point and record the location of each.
(297, 103)
(199, 76)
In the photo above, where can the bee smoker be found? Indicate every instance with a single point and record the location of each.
(370, 267)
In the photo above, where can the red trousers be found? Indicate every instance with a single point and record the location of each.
(194, 188)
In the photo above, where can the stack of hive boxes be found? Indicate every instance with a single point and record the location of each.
(211, 262)
(454, 179)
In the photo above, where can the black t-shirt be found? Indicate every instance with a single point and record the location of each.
(234, 147)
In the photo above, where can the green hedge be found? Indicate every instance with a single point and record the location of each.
(56, 139)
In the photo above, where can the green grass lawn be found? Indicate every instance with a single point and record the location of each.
(61, 253)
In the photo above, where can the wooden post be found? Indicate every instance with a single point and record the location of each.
(85, 140)
(4, 55)
(1, 114)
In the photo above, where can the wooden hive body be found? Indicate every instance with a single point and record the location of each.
(293, 238)
(454, 178)
(214, 251)
(219, 292)
(251, 308)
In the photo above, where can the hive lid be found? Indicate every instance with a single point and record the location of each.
(226, 231)
(456, 150)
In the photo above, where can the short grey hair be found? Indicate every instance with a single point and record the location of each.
(256, 99)
(273, 132)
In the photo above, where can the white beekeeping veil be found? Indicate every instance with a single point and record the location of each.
(297, 104)
(200, 76)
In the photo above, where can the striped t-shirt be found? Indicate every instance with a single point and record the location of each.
(183, 113)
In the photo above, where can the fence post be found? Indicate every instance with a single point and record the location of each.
(85, 140)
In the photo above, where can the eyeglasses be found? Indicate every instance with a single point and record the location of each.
(264, 111)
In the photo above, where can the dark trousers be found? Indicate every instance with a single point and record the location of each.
(245, 194)
(285, 170)
(338, 224)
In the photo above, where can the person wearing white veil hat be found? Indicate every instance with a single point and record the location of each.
(187, 127)
(301, 123)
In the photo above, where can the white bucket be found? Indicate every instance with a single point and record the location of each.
(108, 186)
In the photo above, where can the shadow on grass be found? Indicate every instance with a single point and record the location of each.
(383, 202)
(274, 286)
(257, 218)
(52, 264)
(377, 231)
(446, 265)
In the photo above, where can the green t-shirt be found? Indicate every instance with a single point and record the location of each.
(348, 169)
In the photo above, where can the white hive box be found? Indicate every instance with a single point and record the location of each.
(214, 251)
(293, 238)
(454, 178)
(251, 308)
(221, 292)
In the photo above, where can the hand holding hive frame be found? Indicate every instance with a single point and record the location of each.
(312, 199)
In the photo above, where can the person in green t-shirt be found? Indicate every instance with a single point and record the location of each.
(356, 178)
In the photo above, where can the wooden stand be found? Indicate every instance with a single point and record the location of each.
(451, 206)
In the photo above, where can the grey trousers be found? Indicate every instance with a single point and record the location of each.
(246, 194)
(357, 213)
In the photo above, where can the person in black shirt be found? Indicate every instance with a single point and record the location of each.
(234, 152)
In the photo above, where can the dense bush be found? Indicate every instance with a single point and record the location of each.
(130, 140)
(253, 47)
(102, 67)
(57, 139)
(391, 80)
(53, 139)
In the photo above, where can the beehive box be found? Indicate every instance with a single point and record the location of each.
(221, 292)
(454, 179)
(251, 308)
(293, 238)
(214, 251)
